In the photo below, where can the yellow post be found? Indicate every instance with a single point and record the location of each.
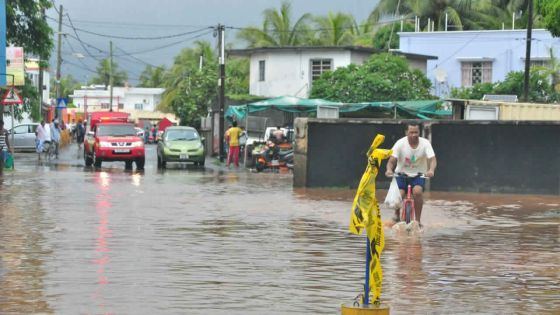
(367, 309)
(366, 216)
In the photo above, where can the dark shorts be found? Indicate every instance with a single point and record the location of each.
(403, 182)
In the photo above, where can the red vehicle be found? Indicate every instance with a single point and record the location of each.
(110, 137)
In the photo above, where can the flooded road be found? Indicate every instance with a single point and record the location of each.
(216, 241)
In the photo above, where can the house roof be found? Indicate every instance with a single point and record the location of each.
(361, 49)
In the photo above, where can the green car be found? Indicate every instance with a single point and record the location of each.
(180, 144)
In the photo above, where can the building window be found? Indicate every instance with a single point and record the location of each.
(120, 106)
(539, 63)
(475, 72)
(104, 105)
(139, 106)
(319, 66)
(261, 70)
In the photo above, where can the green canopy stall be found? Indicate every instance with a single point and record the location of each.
(424, 109)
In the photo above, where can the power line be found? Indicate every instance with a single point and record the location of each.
(160, 37)
(81, 42)
(169, 45)
(135, 58)
(142, 37)
(74, 51)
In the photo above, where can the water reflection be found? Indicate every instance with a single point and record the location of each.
(213, 241)
(22, 250)
(102, 249)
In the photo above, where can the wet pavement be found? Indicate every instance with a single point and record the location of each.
(213, 240)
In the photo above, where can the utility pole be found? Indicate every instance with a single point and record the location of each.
(58, 61)
(111, 76)
(222, 61)
(41, 78)
(528, 51)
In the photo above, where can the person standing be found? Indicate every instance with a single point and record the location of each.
(4, 146)
(80, 135)
(232, 138)
(412, 154)
(55, 136)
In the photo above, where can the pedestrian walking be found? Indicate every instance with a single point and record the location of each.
(55, 136)
(42, 135)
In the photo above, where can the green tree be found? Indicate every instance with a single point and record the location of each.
(540, 89)
(190, 90)
(384, 77)
(67, 86)
(152, 77)
(382, 36)
(277, 29)
(28, 28)
(104, 74)
(461, 14)
(334, 29)
(551, 10)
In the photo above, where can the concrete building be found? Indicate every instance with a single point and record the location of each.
(127, 99)
(32, 72)
(290, 71)
(465, 58)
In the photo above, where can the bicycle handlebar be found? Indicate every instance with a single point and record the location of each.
(405, 175)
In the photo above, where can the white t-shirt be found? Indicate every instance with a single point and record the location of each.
(412, 161)
(43, 133)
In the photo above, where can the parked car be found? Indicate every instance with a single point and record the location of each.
(180, 144)
(24, 136)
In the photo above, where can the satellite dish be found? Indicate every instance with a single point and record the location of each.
(441, 75)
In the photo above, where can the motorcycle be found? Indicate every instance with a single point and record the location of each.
(274, 156)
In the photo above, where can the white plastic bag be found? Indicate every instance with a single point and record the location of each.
(393, 198)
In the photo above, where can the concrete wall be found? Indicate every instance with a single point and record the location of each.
(473, 156)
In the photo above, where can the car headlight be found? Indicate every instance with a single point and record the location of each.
(136, 144)
(104, 144)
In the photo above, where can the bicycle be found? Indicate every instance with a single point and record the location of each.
(408, 210)
(48, 150)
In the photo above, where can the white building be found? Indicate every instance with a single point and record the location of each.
(465, 58)
(290, 71)
(127, 99)
(32, 72)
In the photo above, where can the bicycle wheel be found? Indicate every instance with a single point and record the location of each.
(408, 212)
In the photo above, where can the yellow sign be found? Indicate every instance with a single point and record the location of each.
(366, 215)
(15, 66)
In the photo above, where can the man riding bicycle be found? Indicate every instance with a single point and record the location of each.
(412, 155)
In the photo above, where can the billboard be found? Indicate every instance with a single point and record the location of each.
(15, 66)
(3, 42)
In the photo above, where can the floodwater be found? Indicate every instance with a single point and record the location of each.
(216, 241)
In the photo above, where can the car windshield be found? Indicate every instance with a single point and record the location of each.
(185, 134)
(116, 130)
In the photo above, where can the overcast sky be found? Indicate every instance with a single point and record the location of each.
(150, 18)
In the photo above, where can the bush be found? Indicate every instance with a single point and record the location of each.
(384, 77)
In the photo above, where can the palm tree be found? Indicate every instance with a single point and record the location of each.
(152, 77)
(335, 29)
(104, 74)
(461, 14)
(435, 10)
(277, 29)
